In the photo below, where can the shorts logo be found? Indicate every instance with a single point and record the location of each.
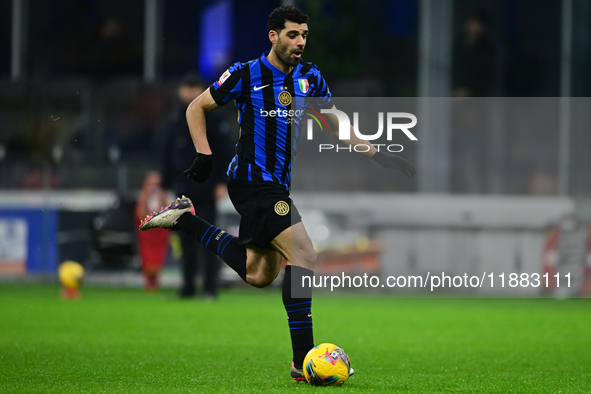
(281, 208)
(284, 98)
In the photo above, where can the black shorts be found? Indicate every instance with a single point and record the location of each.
(265, 211)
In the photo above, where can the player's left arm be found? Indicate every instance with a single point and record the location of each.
(385, 159)
(333, 127)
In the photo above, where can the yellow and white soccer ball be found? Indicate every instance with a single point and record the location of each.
(71, 275)
(326, 365)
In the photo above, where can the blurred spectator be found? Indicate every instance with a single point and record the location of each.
(114, 53)
(149, 109)
(474, 59)
(135, 116)
(152, 245)
(470, 129)
(567, 251)
(179, 155)
(541, 181)
(474, 68)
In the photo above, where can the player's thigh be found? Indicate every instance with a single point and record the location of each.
(295, 245)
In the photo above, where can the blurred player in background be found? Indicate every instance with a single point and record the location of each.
(568, 251)
(265, 91)
(152, 246)
(178, 156)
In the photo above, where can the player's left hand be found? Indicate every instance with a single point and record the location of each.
(200, 169)
(390, 160)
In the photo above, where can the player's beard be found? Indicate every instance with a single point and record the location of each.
(284, 54)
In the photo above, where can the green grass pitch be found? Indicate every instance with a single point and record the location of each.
(128, 341)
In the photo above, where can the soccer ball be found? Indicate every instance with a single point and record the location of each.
(71, 275)
(326, 365)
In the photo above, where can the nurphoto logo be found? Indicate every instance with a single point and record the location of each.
(345, 130)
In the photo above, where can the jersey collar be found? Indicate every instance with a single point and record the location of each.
(274, 69)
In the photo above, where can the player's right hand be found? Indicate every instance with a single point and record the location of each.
(201, 168)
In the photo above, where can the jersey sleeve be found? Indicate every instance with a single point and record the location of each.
(229, 86)
(322, 98)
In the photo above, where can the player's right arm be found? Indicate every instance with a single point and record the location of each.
(224, 90)
(203, 163)
(196, 120)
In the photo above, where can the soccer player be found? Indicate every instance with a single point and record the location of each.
(259, 175)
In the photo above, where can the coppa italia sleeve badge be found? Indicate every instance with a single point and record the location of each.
(223, 78)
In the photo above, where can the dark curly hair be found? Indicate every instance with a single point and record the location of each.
(284, 13)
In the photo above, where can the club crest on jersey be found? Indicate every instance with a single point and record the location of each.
(304, 85)
(284, 98)
(223, 78)
(281, 208)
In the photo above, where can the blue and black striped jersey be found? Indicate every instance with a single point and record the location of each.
(270, 105)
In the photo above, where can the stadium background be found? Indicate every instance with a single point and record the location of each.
(87, 88)
(86, 91)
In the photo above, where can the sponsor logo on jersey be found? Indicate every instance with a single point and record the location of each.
(282, 113)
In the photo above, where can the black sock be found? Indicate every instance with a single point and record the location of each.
(218, 241)
(299, 315)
